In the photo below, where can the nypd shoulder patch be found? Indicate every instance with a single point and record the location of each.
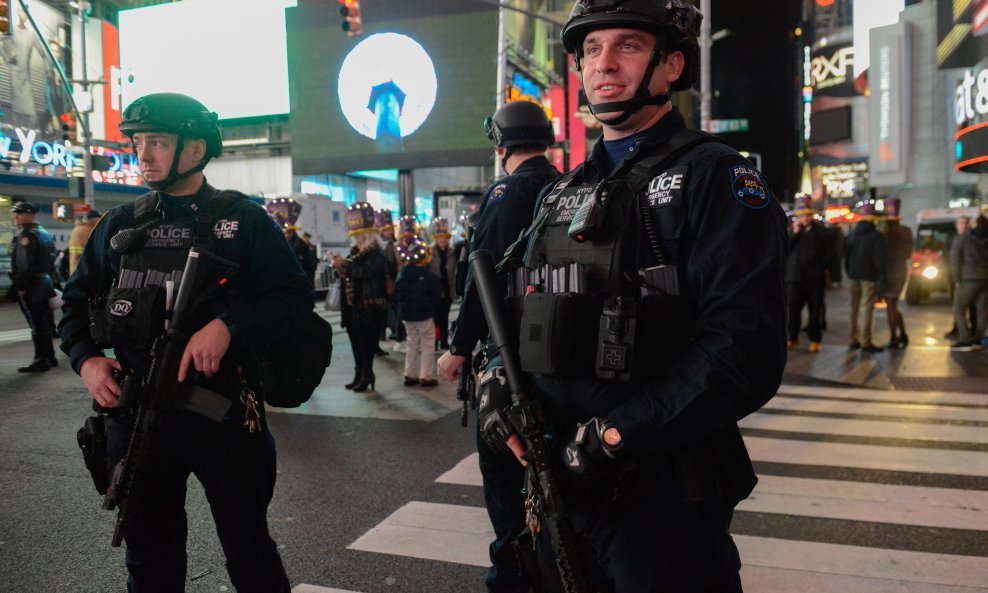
(498, 192)
(748, 187)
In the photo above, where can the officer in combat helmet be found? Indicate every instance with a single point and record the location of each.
(230, 450)
(521, 133)
(677, 245)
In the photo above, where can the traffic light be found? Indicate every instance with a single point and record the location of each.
(4, 17)
(350, 11)
(69, 129)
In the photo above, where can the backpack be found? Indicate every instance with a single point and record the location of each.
(291, 368)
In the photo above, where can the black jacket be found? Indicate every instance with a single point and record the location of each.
(366, 278)
(267, 297)
(418, 293)
(864, 253)
(969, 256)
(505, 211)
(810, 251)
(726, 233)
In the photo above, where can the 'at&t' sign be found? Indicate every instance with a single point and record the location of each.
(971, 97)
(970, 111)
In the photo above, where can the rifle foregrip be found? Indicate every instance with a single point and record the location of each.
(491, 299)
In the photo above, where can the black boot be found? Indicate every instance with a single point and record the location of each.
(39, 365)
(366, 382)
(356, 381)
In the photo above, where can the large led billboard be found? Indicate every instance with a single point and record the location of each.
(229, 54)
(412, 91)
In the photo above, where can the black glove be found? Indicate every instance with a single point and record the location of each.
(586, 457)
(494, 400)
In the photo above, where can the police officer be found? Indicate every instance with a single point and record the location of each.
(521, 133)
(676, 243)
(32, 255)
(174, 137)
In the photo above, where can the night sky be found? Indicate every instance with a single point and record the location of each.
(758, 74)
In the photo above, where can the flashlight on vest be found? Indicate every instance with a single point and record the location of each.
(616, 339)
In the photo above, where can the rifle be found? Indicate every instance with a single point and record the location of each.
(466, 387)
(526, 415)
(159, 388)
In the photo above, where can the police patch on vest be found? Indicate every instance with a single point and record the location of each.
(568, 202)
(168, 236)
(226, 229)
(25, 241)
(667, 188)
(748, 187)
(121, 308)
(498, 192)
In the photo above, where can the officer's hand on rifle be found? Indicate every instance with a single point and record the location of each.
(205, 349)
(97, 374)
(449, 365)
(592, 452)
(493, 414)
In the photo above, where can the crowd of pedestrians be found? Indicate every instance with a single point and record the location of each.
(873, 257)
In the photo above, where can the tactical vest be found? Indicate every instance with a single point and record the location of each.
(584, 305)
(132, 314)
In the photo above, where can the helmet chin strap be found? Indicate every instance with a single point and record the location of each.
(633, 105)
(173, 175)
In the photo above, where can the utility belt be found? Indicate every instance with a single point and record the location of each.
(567, 332)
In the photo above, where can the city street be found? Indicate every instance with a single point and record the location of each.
(873, 478)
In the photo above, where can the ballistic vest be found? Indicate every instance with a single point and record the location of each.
(577, 292)
(151, 267)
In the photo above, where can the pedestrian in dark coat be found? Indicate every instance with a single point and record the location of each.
(969, 261)
(864, 261)
(419, 298)
(809, 255)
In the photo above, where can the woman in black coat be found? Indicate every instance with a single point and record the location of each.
(364, 278)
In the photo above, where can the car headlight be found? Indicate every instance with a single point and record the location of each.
(930, 272)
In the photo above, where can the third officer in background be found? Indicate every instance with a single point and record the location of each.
(521, 133)
(676, 244)
(32, 254)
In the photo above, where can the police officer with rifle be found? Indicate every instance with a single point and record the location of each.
(521, 133)
(649, 299)
(185, 284)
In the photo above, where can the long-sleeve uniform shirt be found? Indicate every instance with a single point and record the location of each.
(267, 296)
(717, 221)
(505, 211)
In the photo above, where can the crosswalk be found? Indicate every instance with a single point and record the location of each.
(860, 491)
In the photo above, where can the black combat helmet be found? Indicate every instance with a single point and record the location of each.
(520, 123)
(675, 23)
(177, 114)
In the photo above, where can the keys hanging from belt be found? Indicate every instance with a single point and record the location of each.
(252, 415)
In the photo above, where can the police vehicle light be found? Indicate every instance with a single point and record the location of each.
(930, 272)
(350, 11)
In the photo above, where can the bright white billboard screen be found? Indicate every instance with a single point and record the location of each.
(229, 54)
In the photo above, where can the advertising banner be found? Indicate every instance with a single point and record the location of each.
(31, 94)
(889, 104)
(412, 91)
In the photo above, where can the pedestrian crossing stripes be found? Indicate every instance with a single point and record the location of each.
(945, 435)
(12, 336)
